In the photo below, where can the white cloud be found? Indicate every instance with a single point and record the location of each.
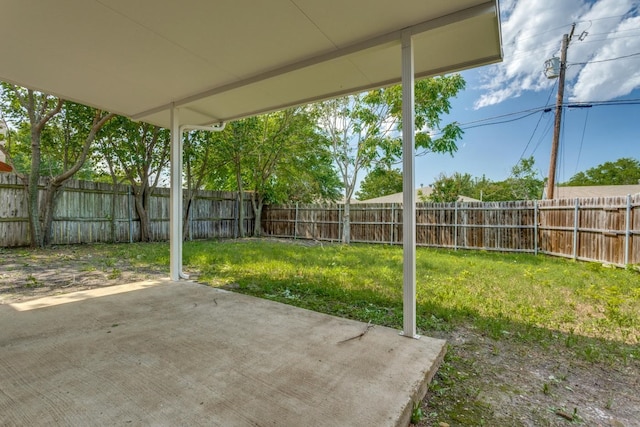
(532, 32)
(601, 81)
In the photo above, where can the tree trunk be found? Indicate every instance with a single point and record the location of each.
(257, 202)
(32, 191)
(48, 208)
(39, 115)
(241, 231)
(346, 223)
(114, 198)
(141, 200)
(185, 221)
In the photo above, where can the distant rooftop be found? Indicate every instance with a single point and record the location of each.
(421, 193)
(595, 191)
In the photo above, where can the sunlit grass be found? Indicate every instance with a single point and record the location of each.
(502, 294)
(514, 292)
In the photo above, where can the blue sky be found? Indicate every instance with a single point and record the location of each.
(531, 33)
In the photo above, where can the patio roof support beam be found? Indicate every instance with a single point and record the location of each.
(175, 199)
(408, 184)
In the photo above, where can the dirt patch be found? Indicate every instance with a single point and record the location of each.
(504, 382)
(27, 273)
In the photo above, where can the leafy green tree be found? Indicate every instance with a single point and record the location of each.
(381, 181)
(624, 171)
(447, 189)
(138, 152)
(201, 165)
(315, 179)
(364, 129)
(275, 157)
(233, 144)
(61, 131)
(525, 182)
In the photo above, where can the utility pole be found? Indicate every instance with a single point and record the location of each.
(551, 181)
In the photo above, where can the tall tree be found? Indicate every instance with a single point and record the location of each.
(140, 153)
(233, 144)
(201, 165)
(624, 171)
(364, 129)
(380, 181)
(275, 158)
(286, 153)
(70, 145)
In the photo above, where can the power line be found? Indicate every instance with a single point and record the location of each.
(543, 136)
(521, 52)
(615, 32)
(605, 60)
(615, 102)
(545, 109)
(504, 121)
(537, 124)
(603, 18)
(584, 128)
(589, 21)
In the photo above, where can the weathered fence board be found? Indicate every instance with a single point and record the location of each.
(86, 212)
(599, 229)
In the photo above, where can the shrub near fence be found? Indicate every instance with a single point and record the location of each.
(599, 229)
(84, 211)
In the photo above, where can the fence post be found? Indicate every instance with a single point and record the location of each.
(627, 231)
(191, 208)
(314, 221)
(236, 218)
(295, 224)
(130, 214)
(455, 226)
(575, 229)
(392, 222)
(535, 227)
(339, 222)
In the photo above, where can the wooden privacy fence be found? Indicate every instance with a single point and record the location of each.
(86, 212)
(595, 229)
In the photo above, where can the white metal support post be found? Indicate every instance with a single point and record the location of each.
(175, 199)
(408, 183)
(175, 196)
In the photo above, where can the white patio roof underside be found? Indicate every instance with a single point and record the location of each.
(226, 59)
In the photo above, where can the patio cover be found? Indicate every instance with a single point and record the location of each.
(200, 62)
(226, 59)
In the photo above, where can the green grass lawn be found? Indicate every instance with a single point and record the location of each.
(519, 295)
(568, 314)
(499, 293)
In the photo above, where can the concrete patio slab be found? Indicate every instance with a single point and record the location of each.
(167, 353)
